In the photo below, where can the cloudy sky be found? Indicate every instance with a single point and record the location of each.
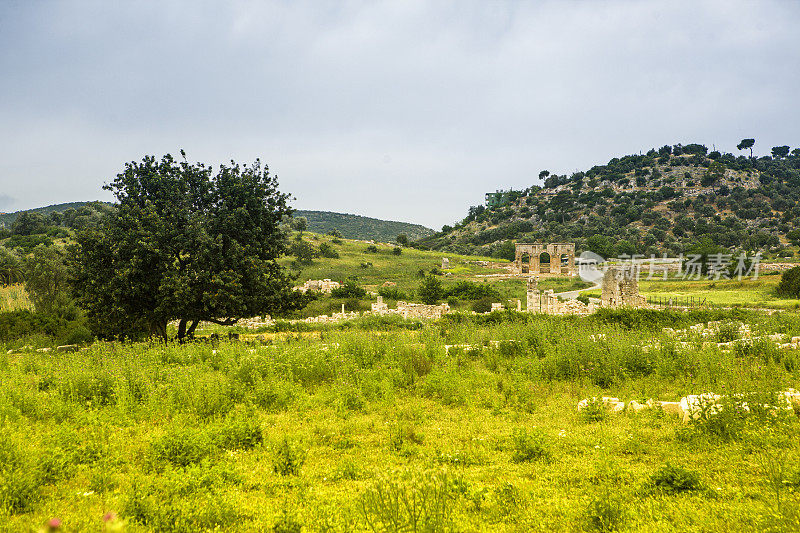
(403, 110)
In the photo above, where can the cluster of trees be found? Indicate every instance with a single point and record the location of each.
(184, 243)
(731, 214)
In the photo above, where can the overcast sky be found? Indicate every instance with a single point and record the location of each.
(402, 110)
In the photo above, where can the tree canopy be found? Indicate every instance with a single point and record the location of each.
(184, 243)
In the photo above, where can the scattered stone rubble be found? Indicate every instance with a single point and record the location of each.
(703, 335)
(324, 286)
(692, 407)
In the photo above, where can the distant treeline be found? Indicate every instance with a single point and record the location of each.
(364, 228)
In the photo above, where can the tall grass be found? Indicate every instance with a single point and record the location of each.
(300, 431)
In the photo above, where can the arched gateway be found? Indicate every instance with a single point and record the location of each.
(560, 257)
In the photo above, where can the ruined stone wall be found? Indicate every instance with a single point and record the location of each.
(318, 285)
(409, 310)
(547, 303)
(620, 288)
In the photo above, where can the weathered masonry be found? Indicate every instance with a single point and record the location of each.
(541, 258)
(621, 288)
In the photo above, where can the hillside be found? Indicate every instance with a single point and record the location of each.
(364, 228)
(665, 201)
(8, 218)
(349, 226)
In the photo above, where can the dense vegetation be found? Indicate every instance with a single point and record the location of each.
(373, 426)
(363, 228)
(664, 201)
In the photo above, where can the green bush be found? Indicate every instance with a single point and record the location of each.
(594, 411)
(288, 458)
(196, 498)
(410, 502)
(672, 479)
(430, 290)
(348, 289)
(239, 431)
(605, 512)
(180, 446)
(392, 293)
(484, 305)
(326, 250)
(468, 290)
(789, 285)
(529, 446)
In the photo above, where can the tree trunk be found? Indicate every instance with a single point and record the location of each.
(181, 330)
(192, 327)
(159, 329)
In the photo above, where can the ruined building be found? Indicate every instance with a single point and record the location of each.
(621, 287)
(547, 303)
(541, 258)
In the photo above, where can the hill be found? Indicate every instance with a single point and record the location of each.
(359, 227)
(350, 226)
(8, 218)
(669, 200)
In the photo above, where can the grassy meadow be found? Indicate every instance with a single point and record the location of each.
(373, 426)
(14, 297)
(746, 292)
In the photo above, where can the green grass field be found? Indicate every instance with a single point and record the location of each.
(384, 266)
(371, 426)
(14, 297)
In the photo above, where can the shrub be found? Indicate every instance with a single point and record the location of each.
(789, 285)
(468, 290)
(430, 290)
(239, 431)
(392, 293)
(371, 249)
(348, 289)
(397, 250)
(728, 331)
(180, 446)
(326, 250)
(529, 446)
(484, 305)
(675, 479)
(288, 458)
(410, 502)
(605, 512)
(594, 411)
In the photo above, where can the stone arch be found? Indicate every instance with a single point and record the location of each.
(544, 262)
(564, 264)
(525, 262)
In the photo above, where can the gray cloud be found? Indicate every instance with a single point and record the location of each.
(400, 110)
(5, 202)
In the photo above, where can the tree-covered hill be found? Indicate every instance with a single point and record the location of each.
(669, 200)
(349, 226)
(364, 228)
(6, 219)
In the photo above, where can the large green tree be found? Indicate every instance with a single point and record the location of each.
(185, 243)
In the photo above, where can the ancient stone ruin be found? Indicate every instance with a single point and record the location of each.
(380, 307)
(621, 288)
(540, 258)
(318, 285)
(547, 302)
(445, 263)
